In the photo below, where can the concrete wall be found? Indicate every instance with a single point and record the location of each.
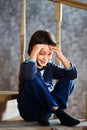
(40, 15)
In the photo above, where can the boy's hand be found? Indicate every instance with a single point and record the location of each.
(60, 55)
(36, 49)
(57, 50)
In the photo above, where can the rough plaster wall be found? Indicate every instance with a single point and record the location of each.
(9, 43)
(40, 15)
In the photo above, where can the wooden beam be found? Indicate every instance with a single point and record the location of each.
(72, 3)
(58, 19)
(23, 31)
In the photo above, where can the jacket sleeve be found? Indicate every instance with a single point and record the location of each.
(28, 70)
(59, 72)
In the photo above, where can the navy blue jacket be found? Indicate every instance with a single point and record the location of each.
(29, 70)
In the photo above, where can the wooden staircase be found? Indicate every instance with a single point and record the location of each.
(11, 120)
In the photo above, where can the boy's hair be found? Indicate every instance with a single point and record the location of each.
(40, 37)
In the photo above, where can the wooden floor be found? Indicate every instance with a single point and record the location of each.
(19, 124)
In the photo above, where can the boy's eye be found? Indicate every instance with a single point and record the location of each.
(41, 53)
(50, 54)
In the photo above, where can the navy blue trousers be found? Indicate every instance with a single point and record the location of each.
(35, 97)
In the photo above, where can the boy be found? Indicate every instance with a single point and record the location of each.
(38, 98)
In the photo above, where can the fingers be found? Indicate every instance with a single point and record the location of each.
(54, 48)
(38, 46)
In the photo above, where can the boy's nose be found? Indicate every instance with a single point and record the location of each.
(45, 58)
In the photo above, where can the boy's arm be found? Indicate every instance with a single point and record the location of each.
(68, 71)
(59, 72)
(61, 57)
(28, 70)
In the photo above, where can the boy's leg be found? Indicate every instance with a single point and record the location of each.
(66, 119)
(51, 102)
(42, 95)
(62, 90)
(43, 98)
(28, 107)
(37, 100)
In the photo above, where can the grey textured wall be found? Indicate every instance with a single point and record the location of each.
(40, 15)
(9, 43)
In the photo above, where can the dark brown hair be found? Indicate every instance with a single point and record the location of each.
(40, 37)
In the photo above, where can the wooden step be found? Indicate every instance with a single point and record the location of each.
(7, 95)
(19, 124)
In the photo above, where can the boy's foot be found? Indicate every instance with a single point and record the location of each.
(66, 119)
(44, 119)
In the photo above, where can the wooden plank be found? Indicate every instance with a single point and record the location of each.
(17, 124)
(58, 19)
(23, 31)
(72, 3)
(7, 95)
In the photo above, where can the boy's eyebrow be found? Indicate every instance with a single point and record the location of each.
(45, 52)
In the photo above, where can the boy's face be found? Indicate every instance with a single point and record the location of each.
(44, 56)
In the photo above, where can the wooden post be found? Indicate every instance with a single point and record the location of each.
(23, 31)
(58, 19)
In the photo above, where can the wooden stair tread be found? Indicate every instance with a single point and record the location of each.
(8, 95)
(17, 124)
